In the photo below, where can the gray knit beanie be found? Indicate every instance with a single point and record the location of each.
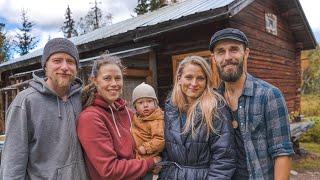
(143, 90)
(57, 45)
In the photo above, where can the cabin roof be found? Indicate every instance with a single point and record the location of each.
(174, 14)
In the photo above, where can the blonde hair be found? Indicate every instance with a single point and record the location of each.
(208, 100)
(88, 92)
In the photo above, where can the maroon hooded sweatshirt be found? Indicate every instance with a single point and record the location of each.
(104, 133)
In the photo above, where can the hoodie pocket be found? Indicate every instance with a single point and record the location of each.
(72, 171)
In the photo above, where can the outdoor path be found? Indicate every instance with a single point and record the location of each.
(306, 176)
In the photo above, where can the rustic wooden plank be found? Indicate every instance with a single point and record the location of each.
(137, 72)
(153, 69)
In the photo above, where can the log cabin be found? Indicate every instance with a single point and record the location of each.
(151, 45)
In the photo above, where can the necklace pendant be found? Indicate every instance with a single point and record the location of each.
(235, 124)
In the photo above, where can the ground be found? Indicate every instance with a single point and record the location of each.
(307, 165)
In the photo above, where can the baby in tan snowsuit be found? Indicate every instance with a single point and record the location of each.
(147, 123)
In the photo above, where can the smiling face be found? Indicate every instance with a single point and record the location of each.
(109, 82)
(229, 56)
(192, 82)
(61, 70)
(145, 106)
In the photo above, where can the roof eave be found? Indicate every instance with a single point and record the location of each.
(307, 26)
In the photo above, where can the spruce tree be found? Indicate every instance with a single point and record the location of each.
(24, 41)
(2, 41)
(94, 17)
(93, 20)
(5, 45)
(154, 5)
(68, 28)
(142, 7)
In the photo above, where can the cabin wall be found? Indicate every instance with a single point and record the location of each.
(275, 59)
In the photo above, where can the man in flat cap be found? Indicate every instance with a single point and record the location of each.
(41, 139)
(259, 112)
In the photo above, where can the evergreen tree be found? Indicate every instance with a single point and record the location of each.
(5, 45)
(82, 27)
(150, 5)
(2, 41)
(94, 17)
(142, 7)
(68, 28)
(93, 20)
(154, 5)
(24, 41)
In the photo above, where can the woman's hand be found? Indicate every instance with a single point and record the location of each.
(142, 150)
(156, 169)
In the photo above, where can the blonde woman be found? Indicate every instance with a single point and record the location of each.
(199, 139)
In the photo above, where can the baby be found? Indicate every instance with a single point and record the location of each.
(147, 123)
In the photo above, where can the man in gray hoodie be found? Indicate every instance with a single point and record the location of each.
(41, 139)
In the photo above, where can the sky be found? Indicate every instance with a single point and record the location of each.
(48, 15)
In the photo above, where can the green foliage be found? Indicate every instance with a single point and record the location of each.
(5, 45)
(142, 7)
(310, 105)
(2, 40)
(24, 41)
(313, 134)
(311, 76)
(145, 6)
(155, 4)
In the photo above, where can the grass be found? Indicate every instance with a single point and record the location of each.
(310, 108)
(310, 105)
(310, 162)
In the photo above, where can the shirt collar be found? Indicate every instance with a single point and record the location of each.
(248, 86)
(247, 89)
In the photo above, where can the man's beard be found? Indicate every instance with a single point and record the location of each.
(233, 76)
(64, 83)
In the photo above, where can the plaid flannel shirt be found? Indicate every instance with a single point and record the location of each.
(264, 125)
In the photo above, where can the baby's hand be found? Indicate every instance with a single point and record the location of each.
(142, 150)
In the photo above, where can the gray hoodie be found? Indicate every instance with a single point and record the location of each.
(41, 139)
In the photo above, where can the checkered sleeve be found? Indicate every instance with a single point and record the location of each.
(278, 128)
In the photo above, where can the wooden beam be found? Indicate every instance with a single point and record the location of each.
(153, 69)
(137, 73)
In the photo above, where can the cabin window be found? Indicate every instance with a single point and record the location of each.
(271, 23)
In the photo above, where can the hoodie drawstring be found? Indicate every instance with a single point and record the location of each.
(58, 107)
(114, 121)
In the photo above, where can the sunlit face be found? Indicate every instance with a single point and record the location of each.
(145, 106)
(229, 56)
(61, 70)
(109, 82)
(192, 82)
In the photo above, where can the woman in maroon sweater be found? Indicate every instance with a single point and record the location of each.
(104, 126)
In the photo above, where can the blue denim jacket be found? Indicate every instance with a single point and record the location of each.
(264, 126)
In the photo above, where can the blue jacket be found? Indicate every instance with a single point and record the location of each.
(201, 156)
